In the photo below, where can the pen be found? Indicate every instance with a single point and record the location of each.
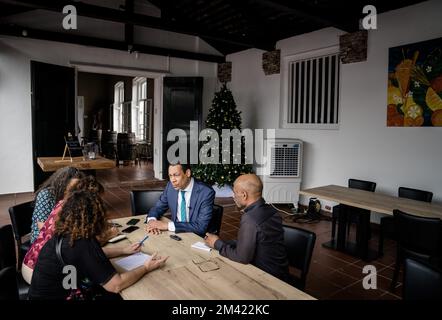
(144, 239)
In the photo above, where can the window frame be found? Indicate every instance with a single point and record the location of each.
(141, 101)
(286, 86)
(118, 106)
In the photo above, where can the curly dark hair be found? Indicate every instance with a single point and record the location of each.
(89, 183)
(82, 216)
(58, 181)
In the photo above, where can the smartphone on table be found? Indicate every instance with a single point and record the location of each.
(133, 222)
(175, 237)
(130, 229)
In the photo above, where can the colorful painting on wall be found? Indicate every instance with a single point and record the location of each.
(415, 85)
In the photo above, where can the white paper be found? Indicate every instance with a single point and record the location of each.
(114, 239)
(201, 246)
(133, 261)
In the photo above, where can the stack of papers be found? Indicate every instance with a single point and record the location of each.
(133, 261)
(201, 246)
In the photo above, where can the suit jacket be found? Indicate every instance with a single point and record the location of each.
(260, 241)
(200, 207)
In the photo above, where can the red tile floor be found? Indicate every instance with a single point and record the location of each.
(332, 275)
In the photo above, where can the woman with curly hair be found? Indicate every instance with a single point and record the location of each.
(80, 221)
(88, 183)
(48, 195)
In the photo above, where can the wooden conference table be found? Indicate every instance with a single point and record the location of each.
(182, 276)
(373, 201)
(49, 164)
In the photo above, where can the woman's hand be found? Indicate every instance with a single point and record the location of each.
(133, 248)
(154, 262)
(108, 234)
(112, 232)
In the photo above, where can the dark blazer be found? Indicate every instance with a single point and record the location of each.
(260, 241)
(200, 208)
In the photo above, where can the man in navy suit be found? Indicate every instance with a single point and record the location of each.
(189, 200)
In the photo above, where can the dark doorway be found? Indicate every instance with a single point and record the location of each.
(182, 103)
(53, 112)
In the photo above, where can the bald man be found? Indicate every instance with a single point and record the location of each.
(260, 236)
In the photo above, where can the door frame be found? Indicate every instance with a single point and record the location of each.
(158, 76)
(34, 66)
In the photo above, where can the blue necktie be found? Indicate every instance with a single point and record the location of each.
(183, 207)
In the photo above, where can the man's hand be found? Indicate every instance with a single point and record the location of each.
(155, 226)
(210, 239)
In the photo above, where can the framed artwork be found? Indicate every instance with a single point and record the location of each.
(415, 85)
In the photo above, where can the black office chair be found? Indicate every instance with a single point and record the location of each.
(8, 284)
(421, 281)
(142, 200)
(299, 245)
(419, 238)
(216, 221)
(21, 219)
(356, 214)
(387, 226)
(7, 247)
(8, 260)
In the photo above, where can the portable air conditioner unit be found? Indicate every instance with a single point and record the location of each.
(282, 171)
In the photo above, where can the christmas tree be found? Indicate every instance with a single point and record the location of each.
(223, 114)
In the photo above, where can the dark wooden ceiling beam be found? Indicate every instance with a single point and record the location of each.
(211, 18)
(257, 25)
(312, 14)
(208, 10)
(128, 27)
(173, 11)
(102, 13)
(227, 20)
(9, 10)
(18, 31)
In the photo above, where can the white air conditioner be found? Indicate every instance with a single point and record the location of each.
(281, 171)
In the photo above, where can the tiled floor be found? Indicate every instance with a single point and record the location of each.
(332, 275)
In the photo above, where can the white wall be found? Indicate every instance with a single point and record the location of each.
(16, 172)
(363, 147)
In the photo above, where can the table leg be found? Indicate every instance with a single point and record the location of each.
(362, 234)
(360, 248)
(342, 227)
(340, 243)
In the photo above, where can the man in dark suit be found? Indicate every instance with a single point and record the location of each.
(189, 200)
(260, 235)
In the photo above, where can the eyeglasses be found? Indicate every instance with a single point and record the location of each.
(206, 265)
